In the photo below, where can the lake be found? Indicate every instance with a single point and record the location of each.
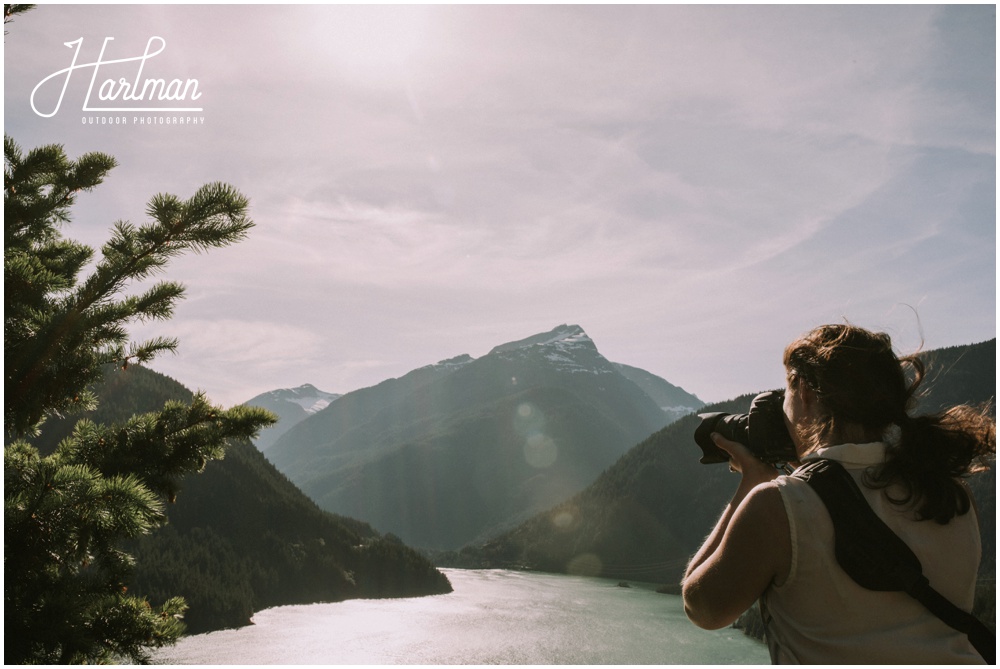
(492, 617)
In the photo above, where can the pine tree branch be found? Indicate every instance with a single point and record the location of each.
(65, 515)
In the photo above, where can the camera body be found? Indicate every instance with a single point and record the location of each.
(762, 430)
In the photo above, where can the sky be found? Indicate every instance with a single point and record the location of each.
(694, 185)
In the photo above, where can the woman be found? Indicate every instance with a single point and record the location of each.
(847, 399)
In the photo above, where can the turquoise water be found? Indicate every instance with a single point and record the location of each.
(492, 617)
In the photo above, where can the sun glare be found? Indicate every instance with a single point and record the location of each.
(373, 45)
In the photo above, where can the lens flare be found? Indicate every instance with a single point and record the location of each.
(565, 519)
(540, 451)
(585, 564)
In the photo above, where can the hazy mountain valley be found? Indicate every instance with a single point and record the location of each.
(540, 455)
(457, 451)
(241, 537)
(641, 517)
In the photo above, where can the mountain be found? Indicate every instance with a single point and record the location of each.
(673, 401)
(241, 537)
(647, 514)
(291, 405)
(461, 449)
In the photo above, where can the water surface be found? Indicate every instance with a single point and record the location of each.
(492, 617)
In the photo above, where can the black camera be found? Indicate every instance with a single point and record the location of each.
(763, 431)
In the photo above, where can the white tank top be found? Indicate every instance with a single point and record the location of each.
(820, 616)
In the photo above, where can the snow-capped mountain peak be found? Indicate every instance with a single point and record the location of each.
(566, 347)
(291, 405)
(567, 335)
(307, 396)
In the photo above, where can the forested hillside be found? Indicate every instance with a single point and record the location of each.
(241, 537)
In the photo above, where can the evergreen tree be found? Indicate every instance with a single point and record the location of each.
(10, 11)
(67, 514)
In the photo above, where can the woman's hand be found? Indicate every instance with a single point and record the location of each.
(742, 460)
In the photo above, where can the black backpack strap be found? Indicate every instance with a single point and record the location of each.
(876, 558)
(983, 640)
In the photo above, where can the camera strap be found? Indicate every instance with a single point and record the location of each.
(876, 558)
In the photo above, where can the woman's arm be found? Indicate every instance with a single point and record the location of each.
(749, 548)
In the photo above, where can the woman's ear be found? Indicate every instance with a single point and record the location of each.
(808, 396)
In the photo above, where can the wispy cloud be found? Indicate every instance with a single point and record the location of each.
(693, 184)
(231, 358)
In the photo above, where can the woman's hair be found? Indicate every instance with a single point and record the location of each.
(864, 390)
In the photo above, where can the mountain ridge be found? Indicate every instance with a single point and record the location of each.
(367, 439)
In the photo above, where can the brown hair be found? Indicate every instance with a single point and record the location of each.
(863, 389)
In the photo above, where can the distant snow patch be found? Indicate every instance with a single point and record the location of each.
(680, 409)
(312, 404)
